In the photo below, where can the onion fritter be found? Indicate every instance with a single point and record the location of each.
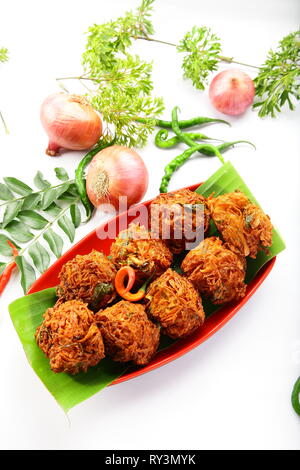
(148, 257)
(175, 304)
(245, 228)
(127, 333)
(70, 337)
(173, 217)
(89, 278)
(216, 271)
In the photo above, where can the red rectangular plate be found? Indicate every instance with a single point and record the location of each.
(180, 347)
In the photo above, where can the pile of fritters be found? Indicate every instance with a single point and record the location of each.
(90, 322)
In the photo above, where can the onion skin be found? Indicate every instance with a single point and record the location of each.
(70, 123)
(232, 92)
(116, 171)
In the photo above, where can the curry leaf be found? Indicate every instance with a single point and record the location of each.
(27, 273)
(17, 186)
(19, 232)
(33, 219)
(39, 256)
(40, 182)
(54, 241)
(75, 215)
(61, 174)
(11, 211)
(5, 193)
(2, 267)
(5, 249)
(67, 226)
(31, 201)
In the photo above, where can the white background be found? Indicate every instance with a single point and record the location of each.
(232, 392)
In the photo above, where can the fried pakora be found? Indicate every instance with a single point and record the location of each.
(245, 228)
(127, 332)
(89, 278)
(70, 337)
(175, 304)
(179, 218)
(216, 271)
(148, 257)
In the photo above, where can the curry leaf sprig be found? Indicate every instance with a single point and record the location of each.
(29, 216)
(201, 50)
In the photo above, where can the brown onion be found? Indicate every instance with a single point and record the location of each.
(70, 122)
(116, 171)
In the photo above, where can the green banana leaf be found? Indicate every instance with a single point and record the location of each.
(26, 314)
(227, 180)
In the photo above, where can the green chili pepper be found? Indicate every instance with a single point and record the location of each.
(184, 137)
(162, 141)
(225, 146)
(182, 158)
(296, 396)
(196, 121)
(80, 180)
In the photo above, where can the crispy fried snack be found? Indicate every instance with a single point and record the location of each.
(134, 247)
(89, 278)
(216, 271)
(175, 304)
(173, 217)
(70, 337)
(245, 228)
(127, 332)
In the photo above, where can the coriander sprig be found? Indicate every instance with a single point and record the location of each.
(121, 82)
(278, 80)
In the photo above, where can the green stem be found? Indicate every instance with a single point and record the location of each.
(4, 123)
(36, 192)
(221, 58)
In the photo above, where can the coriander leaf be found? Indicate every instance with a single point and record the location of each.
(3, 54)
(278, 81)
(201, 50)
(122, 83)
(27, 273)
